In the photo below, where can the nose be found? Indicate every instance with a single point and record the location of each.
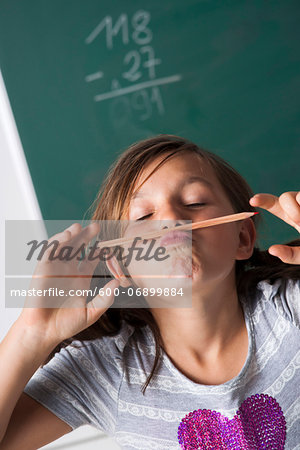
(171, 224)
(171, 217)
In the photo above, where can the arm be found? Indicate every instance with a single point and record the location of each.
(25, 423)
(36, 425)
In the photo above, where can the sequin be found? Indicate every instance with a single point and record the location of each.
(259, 424)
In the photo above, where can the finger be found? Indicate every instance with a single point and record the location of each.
(74, 229)
(285, 207)
(53, 244)
(268, 202)
(100, 304)
(287, 254)
(90, 253)
(86, 234)
(63, 236)
(92, 259)
(66, 234)
(288, 202)
(59, 239)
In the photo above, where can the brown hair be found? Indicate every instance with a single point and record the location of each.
(113, 201)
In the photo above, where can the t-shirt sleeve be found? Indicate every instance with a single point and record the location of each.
(81, 383)
(285, 295)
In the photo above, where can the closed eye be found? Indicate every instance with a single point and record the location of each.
(144, 217)
(195, 204)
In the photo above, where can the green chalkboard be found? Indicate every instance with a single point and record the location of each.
(86, 78)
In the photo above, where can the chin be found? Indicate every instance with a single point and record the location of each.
(184, 254)
(181, 261)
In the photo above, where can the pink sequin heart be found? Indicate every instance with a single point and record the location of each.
(258, 424)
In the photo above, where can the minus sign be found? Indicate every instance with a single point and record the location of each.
(93, 76)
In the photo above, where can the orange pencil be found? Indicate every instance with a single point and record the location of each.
(185, 227)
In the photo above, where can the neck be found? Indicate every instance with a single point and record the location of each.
(204, 331)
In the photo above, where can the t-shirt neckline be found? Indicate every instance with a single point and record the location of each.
(186, 381)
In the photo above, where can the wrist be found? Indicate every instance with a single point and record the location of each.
(32, 340)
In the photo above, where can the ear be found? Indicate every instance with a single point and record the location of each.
(247, 237)
(115, 269)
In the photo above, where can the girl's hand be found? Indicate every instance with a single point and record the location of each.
(70, 314)
(287, 208)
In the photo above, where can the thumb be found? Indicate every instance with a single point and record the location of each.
(100, 303)
(287, 254)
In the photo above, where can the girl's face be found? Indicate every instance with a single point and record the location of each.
(186, 188)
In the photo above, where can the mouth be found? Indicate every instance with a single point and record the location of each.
(176, 237)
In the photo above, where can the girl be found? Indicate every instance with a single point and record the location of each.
(222, 374)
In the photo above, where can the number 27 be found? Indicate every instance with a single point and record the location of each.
(134, 57)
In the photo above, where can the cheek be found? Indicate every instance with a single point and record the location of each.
(219, 242)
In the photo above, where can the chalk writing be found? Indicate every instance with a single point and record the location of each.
(138, 67)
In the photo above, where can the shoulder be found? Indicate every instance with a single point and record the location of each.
(280, 287)
(283, 295)
(85, 365)
(115, 358)
(80, 384)
(111, 347)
